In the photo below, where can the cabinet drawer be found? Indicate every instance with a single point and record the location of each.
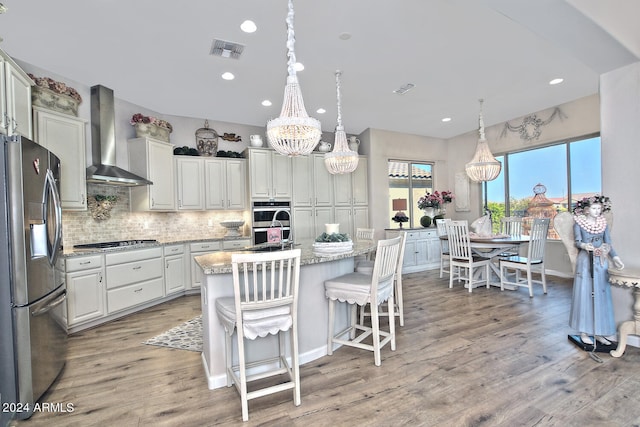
(204, 246)
(133, 272)
(236, 244)
(428, 234)
(173, 250)
(83, 263)
(129, 296)
(135, 255)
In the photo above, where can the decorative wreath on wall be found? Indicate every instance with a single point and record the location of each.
(531, 125)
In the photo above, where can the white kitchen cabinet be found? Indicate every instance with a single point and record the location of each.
(175, 268)
(133, 278)
(351, 189)
(302, 182)
(15, 98)
(190, 182)
(422, 249)
(196, 249)
(225, 184)
(153, 160)
(269, 174)
(85, 289)
(64, 135)
(312, 183)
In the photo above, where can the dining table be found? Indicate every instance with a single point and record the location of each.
(492, 246)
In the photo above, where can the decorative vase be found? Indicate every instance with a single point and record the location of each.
(425, 221)
(430, 211)
(151, 130)
(46, 98)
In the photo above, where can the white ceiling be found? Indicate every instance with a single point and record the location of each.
(155, 53)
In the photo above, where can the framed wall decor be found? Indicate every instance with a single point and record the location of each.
(461, 190)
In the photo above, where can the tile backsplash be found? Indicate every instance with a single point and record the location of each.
(81, 227)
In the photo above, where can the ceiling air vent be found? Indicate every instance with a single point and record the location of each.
(226, 49)
(404, 89)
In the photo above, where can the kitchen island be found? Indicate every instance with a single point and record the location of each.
(313, 309)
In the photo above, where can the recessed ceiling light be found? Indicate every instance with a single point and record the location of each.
(228, 76)
(344, 36)
(298, 66)
(248, 26)
(556, 81)
(266, 103)
(446, 119)
(321, 111)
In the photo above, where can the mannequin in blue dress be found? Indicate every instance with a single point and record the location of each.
(593, 240)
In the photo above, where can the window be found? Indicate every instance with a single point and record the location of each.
(409, 186)
(567, 171)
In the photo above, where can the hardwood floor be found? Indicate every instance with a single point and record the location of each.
(488, 358)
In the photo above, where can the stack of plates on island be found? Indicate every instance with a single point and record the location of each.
(332, 248)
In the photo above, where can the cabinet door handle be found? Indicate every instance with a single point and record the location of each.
(138, 267)
(82, 198)
(100, 277)
(85, 262)
(137, 290)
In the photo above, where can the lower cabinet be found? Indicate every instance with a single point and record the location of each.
(175, 269)
(196, 249)
(422, 249)
(133, 277)
(85, 289)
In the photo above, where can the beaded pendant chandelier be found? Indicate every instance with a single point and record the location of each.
(483, 167)
(341, 159)
(294, 133)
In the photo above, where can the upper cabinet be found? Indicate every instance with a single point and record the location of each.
(269, 174)
(190, 182)
(15, 99)
(350, 189)
(64, 135)
(210, 183)
(225, 184)
(312, 183)
(153, 160)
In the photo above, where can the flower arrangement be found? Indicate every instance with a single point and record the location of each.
(585, 202)
(435, 199)
(57, 87)
(139, 118)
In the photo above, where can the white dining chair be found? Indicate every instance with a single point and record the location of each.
(441, 229)
(534, 261)
(398, 300)
(359, 289)
(461, 257)
(265, 302)
(511, 226)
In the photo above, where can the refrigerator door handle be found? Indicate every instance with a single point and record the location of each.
(52, 188)
(51, 305)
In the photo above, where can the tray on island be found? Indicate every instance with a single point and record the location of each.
(332, 248)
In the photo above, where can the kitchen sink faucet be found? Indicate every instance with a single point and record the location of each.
(273, 224)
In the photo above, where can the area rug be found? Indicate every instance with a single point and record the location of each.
(187, 336)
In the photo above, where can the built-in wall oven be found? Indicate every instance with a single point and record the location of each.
(262, 216)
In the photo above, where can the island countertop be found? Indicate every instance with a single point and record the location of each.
(220, 262)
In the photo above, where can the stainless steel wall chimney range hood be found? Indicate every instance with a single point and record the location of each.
(103, 169)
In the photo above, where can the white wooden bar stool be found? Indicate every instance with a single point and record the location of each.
(399, 304)
(358, 289)
(265, 302)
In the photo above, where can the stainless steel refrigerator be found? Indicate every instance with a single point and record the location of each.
(33, 338)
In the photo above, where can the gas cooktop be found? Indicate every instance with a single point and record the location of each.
(117, 244)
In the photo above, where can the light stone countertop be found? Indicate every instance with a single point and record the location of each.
(71, 252)
(220, 262)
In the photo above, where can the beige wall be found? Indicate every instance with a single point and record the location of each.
(380, 146)
(620, 106)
